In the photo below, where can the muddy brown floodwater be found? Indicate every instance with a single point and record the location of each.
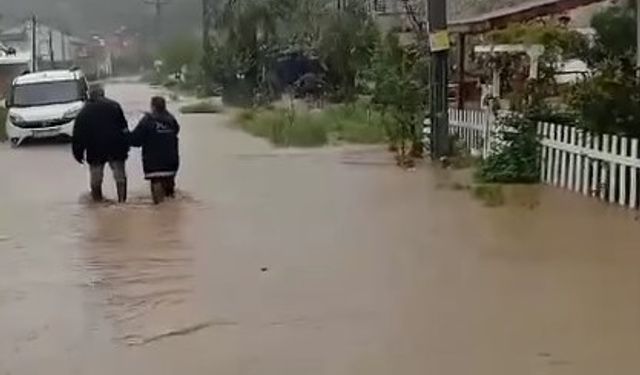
(326, 261)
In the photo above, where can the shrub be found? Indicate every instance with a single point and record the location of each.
(515, 156)
(609, 102)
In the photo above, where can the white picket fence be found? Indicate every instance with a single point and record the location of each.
(472, 129)
(603, 166)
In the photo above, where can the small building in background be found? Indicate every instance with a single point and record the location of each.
(54, 47)
(58, 49)
(12, 64)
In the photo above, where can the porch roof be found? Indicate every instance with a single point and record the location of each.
(519, 12)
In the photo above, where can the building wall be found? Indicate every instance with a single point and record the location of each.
(51, 42)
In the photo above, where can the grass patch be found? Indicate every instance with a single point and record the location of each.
(313, 128)
(283, 128)
(3, 118)
(357, 123)
(201, 107)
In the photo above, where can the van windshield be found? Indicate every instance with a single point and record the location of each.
(46, 93)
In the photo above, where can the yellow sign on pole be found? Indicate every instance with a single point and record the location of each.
(439, 41)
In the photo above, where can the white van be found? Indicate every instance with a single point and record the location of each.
(45, 104)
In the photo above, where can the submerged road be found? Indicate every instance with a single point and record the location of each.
(283, 262)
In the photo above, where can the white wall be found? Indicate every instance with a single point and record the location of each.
(49, 39)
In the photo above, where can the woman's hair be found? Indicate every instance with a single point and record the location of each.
(158, 104)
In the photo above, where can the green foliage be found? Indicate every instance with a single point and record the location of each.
(401, 91)
(357, 123)
(201, 107)
(346, 46)
(557, 40)
(351, 123)
(179, 52)
(251, 35)
(284, 128)
(615, 35)
(515, 155)
(609, 102)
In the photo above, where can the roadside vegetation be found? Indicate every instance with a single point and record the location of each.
(304, 127)
(360, 86)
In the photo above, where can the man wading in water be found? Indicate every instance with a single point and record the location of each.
(100, 137)
(157, 134)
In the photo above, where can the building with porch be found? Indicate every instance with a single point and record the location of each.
(464, 25)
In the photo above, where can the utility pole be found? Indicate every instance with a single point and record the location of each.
(638, 37)
(439, 45)
(158, 6)
(34, 43)
(51, 52)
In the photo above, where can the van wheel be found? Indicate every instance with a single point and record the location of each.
(15, 142)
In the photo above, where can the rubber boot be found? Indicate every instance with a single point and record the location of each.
(157, 192)
(169, 188)
(96, 194)
(121, 187)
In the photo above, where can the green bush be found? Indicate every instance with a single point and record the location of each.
(201, 107)
(515, 156)
(608, 102)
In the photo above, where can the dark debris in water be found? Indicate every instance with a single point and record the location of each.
(138, 340)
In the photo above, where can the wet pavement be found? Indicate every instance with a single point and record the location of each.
(329, 261)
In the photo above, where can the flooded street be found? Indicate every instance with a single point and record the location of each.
(329, 261)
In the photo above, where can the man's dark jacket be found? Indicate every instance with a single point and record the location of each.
(101, 132)
(157, 134)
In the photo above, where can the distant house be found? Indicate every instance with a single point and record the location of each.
(12, 64)
(55, 48)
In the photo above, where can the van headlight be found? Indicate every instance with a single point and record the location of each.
(16, 119)
(72, 114)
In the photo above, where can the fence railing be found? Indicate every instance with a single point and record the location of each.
(600, 165)
(604, 166)
(472, 129)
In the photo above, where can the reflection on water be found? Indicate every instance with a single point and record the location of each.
(140, 259)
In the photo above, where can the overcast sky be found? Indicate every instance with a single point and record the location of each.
(82, 16)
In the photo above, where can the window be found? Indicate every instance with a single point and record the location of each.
(47, 93)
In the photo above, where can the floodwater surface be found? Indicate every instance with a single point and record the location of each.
(329, 261)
